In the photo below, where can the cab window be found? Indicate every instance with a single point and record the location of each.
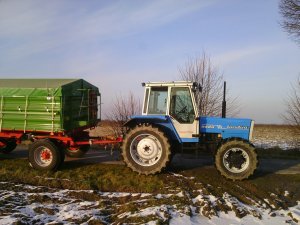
(158, 101)
(181, 105)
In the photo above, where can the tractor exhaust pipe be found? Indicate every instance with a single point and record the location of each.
(224, 102)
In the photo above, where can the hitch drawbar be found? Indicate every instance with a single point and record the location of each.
(100, 141)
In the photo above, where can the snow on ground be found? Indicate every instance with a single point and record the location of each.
(272, 143)
(270, 136)
(27, 204)
(279, 217)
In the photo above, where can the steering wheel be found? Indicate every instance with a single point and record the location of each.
(182, 110)
(182, 115)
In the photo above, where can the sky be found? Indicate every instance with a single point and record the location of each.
(117, 45)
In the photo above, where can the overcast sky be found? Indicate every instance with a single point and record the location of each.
(117, 45)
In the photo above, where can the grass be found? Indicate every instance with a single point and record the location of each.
(75, 176)
(204, 181)
(110, 177)
(118, 178)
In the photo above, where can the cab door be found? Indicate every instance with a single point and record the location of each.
(183, 113)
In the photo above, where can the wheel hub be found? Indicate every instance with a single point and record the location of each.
(145, 150)
(236, 160)
(43, 156)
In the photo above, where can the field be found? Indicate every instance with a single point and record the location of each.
(276, 136)
(190, 191)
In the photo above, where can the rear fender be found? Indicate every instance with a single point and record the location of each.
(162, 122)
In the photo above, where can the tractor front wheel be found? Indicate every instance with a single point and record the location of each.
(146, 150)
(236, 159)
(45, 155)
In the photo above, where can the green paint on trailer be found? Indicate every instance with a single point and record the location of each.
(49, 105)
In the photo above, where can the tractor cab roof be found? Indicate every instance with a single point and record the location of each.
(166, 84)
(194, 85)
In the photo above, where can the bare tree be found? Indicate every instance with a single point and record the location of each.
(209, 101)
(290, 11)
(122, 109)
(292, 115)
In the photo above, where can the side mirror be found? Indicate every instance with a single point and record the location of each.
(200, 88)
(196, 86)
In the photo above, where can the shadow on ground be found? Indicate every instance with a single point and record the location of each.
(180, 162)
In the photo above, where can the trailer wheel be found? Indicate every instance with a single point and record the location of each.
(236, 159)
(62, 156)
(77, 152)
(61, 148)
(44, 155)
(9, 146)
(146, 150)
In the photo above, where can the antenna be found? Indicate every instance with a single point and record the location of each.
(224, 102)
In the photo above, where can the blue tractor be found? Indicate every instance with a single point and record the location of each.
(170, 121)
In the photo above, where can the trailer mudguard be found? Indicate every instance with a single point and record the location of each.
(163, 122)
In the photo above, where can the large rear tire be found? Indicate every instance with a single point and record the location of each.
(146, 150)
(236, 159)
(10, 145)
(45, 155)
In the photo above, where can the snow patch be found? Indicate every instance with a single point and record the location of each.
(42, 205)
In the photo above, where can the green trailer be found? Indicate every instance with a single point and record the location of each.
(52, 113)
(52, 105)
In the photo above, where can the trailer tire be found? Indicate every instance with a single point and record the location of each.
(146, 150)
(236, 159)
(77, 152)
(62, 156)
(10, 145)
(61, 148)
(44, 155)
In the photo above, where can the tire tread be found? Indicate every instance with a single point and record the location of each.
(165, 143)
(234, 141)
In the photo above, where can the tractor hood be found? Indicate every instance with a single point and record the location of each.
(227, 127)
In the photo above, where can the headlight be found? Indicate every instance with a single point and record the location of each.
(251, 130)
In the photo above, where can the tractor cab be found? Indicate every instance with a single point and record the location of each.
(176, 100)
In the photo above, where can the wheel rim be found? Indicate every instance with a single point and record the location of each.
(2, 145)
(145, 150)
(43, 156)
(236, 160)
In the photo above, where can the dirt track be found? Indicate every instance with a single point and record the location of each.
(97, 155)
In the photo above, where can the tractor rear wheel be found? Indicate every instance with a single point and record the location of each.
(77, 152)
(236, 159)
(45, 155)
(146, 150)
(9, 146)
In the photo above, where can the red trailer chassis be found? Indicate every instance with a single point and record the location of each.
(47, 150)
(66, 140)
